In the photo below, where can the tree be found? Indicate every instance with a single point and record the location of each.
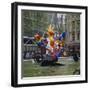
(33, 22)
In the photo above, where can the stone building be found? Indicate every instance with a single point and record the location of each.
(72, 27)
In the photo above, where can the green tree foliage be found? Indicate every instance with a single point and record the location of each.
(33, 22)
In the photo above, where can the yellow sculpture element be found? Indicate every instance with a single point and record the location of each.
(51, 35)
(50, 31)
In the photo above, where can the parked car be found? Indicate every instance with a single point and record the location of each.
(28, 40)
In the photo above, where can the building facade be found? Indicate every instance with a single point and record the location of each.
(72, 27)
